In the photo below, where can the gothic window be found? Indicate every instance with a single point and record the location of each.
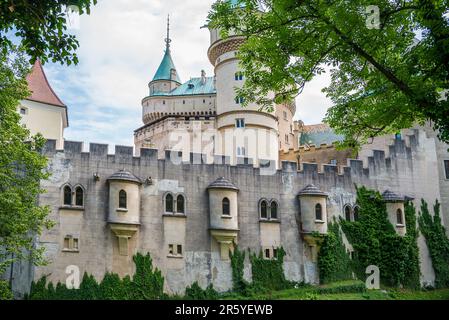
(180, 204)
(318, 212)
(122, 201)
(264, 209)
(226, 207)
(169, 203)
(348, 213)
(399, 217)
(79, 197)
(356, 213)
(67, 196)
(274, 210)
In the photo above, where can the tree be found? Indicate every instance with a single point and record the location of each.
(386, 74)
(41, 27)
(21, 168)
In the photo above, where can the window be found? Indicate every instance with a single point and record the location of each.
(79, 197)
(318, 212)
(285, 115)
(170, 249)
(356, 213)
(70, 243)
(274, 210)
(241, 151)
(183, 102)
(122, 201)
(180, 204)
(239, 123)
(399, 218)
(174, 250)
(333, 162)
(398, 136)
(286, 138)
(67, 196)
(348, 213)
(238, 76)
(226, 207)
(179, 250)
(169, 203)
(267, 253)
(275, 253)
(264, 210)
(163, 101)
(446, 168)
(23, 111)
(239, 100)
(204, 101)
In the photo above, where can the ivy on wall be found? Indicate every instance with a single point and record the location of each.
(437, 242)
(239, 284)
(146, 284)
(334, 263)
(375, 242)
(5, 292)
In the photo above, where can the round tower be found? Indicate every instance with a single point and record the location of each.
(242, 132)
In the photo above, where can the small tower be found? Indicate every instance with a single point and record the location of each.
(313, 217)
(223, 211)
(166, 77)
(124, 208)
(395, 210)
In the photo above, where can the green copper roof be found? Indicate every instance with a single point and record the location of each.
(164, 70)
(192, 87)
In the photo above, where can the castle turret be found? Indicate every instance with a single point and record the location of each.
(242, 132)
(166, 77)
(395, 211)
(223, 213)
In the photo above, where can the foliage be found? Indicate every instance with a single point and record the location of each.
(22, 167)
(334, 263)
(195, 292)
(237, 264)
(147, 284)
(384, 77)
(41, 27)
(268, 274)
(437, 242)
(375, 242)
(5, 291)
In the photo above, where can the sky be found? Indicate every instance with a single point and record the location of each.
(121, 46)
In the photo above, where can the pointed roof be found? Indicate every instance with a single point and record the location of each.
(164, 70)
(41, 90)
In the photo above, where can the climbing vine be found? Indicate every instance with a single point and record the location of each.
(437, 242)
(334, 263)
(375, 242)
(146, 284)
(5, 292)
(237, 264)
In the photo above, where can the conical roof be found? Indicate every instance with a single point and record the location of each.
(124, 175)
(222, 183)
(311, 190)
(41, 90)
(164, 70)
(390, 196)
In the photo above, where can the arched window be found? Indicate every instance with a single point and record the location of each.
(399, 218)
(169, 203)
(348, 213)
(263, 210)
(180, 204)
(274, 210)
(67, 196)
(122, 201)
(226, 207)
(79, 197)
(356, 213)
(318, 212)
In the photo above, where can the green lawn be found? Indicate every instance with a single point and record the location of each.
(347, 290)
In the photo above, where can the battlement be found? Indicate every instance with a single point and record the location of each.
(377, 163)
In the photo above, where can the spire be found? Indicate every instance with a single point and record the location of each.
(167, 69)
(168, 40)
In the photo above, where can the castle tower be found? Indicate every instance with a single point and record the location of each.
(242, 132)
(43, 112)
(166, 77)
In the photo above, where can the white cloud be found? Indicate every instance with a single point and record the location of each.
(121, 46)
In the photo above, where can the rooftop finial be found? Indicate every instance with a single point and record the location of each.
(168, 40)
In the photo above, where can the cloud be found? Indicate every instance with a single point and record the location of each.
(121, 46)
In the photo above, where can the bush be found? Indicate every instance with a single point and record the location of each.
(5, 292)
(195, 292)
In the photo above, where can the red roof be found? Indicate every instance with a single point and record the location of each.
(40, 88)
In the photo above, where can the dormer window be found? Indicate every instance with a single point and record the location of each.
(190, 85)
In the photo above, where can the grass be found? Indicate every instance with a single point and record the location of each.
(345, 290)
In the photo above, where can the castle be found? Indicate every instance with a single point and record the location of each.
(189, 201)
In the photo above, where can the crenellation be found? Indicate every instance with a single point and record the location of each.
(73, 147)
(98, 150)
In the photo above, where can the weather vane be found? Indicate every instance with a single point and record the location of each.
(168, 40)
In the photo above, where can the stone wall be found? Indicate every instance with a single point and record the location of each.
(410, 169)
